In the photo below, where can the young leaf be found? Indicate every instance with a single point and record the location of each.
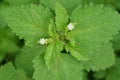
(94, 27)
(7, 72)
(62, 17)
(52, 30)
(52, 53)
(69, 5)
(28, 22)
(75, 52)
(64, 68)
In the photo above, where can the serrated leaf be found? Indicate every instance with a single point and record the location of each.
(28, 22)
(69, 5)
(52, 30)
(24, 58)
(61, 18)
(64, 68)
(75, 52)
(101, 59)
(52, 52)
(94, 27)
(7, 72)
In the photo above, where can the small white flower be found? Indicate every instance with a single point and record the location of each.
(43, 41)
(70, 26)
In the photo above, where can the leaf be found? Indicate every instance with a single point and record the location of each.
(21, 75)
(114, 72)
(85, 76)
(101, 59)
(7, 72)
(7, 37)
(2, 22)
(69, 5)
(116, 42)
(100, 74)
(20, 2)
(64, 68)
(24, 59)
(61, 18)
(52, 52)
(2, 56)
(52, 30)
(75, 52)
(28, 22)
(94, 30)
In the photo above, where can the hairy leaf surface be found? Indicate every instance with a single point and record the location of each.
(62, 17)
(64, 68)
(94, 27)
(70, 5)
(28, 22)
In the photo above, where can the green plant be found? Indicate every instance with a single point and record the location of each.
(58, 39)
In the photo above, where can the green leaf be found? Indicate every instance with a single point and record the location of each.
(21, 75)
(75, 52)
(85, 76)
(20, 2)
(116, 42)
(94, 27)
(2, 56)
(100, 74)
(2, 22)
(101, 59)
(114, 72)
(28, 22)
(24, 58)
(52, 30)
(7, 72)
(64, 68)
(7, 37)
(52, 52)
(62, 17)
(69, 5)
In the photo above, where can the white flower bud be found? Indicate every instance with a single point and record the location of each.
(43, 41)
(70, 26)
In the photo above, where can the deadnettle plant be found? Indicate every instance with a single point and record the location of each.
(69, 38)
